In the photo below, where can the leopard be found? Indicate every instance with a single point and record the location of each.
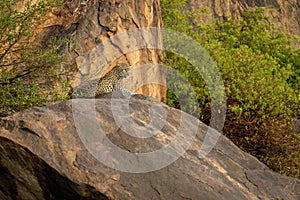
(110, 82)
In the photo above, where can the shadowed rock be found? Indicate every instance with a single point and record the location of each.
(43, 155)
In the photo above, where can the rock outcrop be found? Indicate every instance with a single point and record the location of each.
(90, 28)
(286, 14)
(53, 152)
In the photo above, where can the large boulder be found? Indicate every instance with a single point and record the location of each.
(63, 151)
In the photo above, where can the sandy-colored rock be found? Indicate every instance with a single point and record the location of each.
(91, 28)
(286, 14)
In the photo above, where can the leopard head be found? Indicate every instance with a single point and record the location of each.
(122, 69)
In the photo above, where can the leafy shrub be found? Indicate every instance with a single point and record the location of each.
(29, 74)
(260, 69)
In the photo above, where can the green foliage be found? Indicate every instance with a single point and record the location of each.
(259, 67)
(283, 154)
(28, 73)
(256, 32)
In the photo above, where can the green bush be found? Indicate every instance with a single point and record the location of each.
(29, 74)
(260, 69)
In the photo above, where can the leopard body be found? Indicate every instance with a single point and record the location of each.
(112, 81)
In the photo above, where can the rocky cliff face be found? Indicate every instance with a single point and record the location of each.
(91, 27)
(286, 14)
(83, 149)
